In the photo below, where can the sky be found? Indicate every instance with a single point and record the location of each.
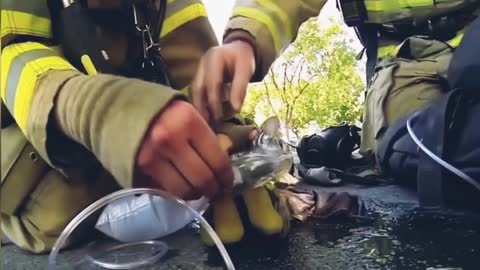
(218, 12)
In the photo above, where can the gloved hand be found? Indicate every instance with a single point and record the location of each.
(266, 212)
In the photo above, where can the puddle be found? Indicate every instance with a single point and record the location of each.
(378, 245)
(397, 237)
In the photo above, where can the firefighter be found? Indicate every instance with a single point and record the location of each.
(95, 97)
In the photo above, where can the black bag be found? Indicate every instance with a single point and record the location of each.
(450, 129)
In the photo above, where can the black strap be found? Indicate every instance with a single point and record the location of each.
(429, 180)
(368, 35)
(429, 172)
(74, 29)
(372, 180)
(148, 23)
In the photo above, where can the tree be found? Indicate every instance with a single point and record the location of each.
(315, 79)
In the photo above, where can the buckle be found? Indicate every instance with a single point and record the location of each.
(354, 12)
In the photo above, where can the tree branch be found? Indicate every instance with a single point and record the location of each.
(300, 72)
(268, 98)
(274, 81)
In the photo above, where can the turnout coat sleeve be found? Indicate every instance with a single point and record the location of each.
(269, 25)
(71, 118)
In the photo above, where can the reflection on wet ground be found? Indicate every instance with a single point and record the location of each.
(396, 237)
(393, 236)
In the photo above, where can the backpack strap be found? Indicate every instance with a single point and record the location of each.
(429, 173)
(368, 36)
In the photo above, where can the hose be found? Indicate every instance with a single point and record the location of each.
(439, 160)
(127, 192)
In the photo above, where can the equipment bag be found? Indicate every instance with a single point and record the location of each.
(438, 148)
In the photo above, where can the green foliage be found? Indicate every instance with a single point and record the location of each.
(316, 79)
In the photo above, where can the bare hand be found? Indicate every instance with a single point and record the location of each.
(233, 62)
(181, 154)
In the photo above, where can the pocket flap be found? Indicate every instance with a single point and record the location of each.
(22, 168)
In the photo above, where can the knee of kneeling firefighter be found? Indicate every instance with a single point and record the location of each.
(51, 206)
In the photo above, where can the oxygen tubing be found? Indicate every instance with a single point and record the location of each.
(127, 192)
(437, 159)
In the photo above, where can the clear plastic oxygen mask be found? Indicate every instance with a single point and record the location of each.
(268, 158)
(140, 226)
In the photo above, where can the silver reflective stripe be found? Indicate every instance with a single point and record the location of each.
(174, 6)
(18, 64)
(281, 21)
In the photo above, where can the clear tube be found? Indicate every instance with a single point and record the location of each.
(268, 158)
(127, 192)
(437, 159)
(161, 250)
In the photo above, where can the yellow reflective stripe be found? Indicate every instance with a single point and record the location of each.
(182, 17)
(416, 3)
(455, 42)
(386, 5)
(376, 5)
(25, 63)
(27, 88)
(21, 23)
(392, 50)
(263, 18)
(268, 4)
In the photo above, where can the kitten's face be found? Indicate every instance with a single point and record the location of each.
(271, 126)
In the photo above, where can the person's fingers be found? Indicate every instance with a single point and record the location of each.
(226, 144)
(198, 90)
(146, 155)
(195, 170)
(167, 176)
(253, 135)
(243, 74)
(214, 90)
(207, 147)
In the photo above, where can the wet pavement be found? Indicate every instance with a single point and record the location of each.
(394, 235)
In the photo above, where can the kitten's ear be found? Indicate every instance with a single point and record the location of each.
(271, 126)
